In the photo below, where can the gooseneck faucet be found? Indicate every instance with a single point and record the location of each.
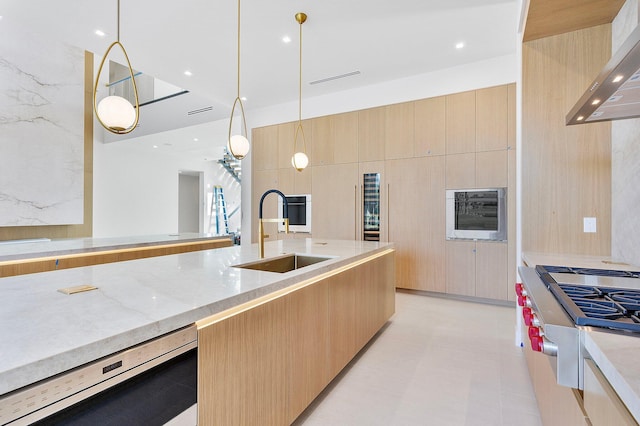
(284, 219)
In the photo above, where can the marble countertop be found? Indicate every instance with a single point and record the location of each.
(28, 249)
(575, 260)
(617, 357)
(45, 332)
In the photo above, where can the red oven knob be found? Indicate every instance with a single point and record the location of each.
(537, 343)
(524, 301)
(534, 332)
(520, 291)
(527, 316)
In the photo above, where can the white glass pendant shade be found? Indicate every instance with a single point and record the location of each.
(238, 146)
(116, 113)
(299, 161)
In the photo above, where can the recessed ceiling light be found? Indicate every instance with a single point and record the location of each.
(155, 146)
(580, 118)
(595, 102)
(618, 78)
(100, 33)
(195, 139)
(188, 73)
(459, 45)
(244, 98)
(286, 39)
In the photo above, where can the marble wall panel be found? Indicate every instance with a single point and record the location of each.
(625, 161)
(41, 132)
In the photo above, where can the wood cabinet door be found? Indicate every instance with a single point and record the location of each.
(344, 131)
(429, 126)
(264, 148)
(461, 267)
(322, 153)
(491, 270)
(399, 131)
(460, 123)
(371, 134)
(334, 201)
(492, 129)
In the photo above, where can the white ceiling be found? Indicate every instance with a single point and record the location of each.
(382, 39)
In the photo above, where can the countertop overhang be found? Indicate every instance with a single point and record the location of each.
(46, 332)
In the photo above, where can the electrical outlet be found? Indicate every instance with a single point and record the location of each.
(589, 224)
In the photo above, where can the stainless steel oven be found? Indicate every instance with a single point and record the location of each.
(299, 209)
(150, 384)
(476, 214)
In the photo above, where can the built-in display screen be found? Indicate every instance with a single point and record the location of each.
(476, 210)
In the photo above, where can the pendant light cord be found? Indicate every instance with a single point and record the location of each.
(300, 81)
(118, 33)
(238, 48)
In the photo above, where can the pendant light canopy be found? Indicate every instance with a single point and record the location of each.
(300, 160)
(238, 145)
(115, 113)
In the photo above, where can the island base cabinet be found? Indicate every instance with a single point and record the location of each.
(264, 362)
(602, 404)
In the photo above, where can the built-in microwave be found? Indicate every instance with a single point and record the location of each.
(299, 213)
(477, 214)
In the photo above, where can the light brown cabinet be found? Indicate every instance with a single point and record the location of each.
(399, 131)
(335, 139)
(371, 134)
(264, 362)
(334, 201)
(429, 126)
(601, 402)
(460, 122)
(477, 268)
(264, 148)
(492, 129)
(416, 221)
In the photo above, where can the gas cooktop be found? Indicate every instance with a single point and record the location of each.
(596, 297)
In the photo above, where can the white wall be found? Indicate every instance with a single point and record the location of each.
(136, 190)
(488, 73)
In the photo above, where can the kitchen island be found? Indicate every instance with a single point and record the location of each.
(135, 301)
(40, 255)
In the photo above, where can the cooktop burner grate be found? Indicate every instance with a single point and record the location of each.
(596, 306)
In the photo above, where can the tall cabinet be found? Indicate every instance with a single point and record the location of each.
(383, 172)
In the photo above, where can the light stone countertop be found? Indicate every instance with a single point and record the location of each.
(617, 357)
(576, 260)
(33, 248)
(45, 332)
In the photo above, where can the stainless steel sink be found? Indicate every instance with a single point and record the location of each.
(281, 264)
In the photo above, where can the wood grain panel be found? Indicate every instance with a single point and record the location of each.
(371, 134)
(461, 123)
(492, 124)
(552, 17)
(264, 148)
(344, 130)
(511, 117)
(491, 270)
(566, 171)
(243, 367)
(461, 171)
(286, 132)
(492, 169)
(511, 227)
(430, 126)
(334, 203)
(399, 131)
(601, 402)
(309, 370)
(323, 148)
(461, 267)
(343, 320)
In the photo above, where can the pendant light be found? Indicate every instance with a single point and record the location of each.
(115, 113)
(300, 160)
(238, 145)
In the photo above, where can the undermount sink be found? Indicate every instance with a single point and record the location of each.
(281, 264)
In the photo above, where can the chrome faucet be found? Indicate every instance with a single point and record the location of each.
(285, 219)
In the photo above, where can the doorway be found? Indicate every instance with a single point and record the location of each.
(189, 201)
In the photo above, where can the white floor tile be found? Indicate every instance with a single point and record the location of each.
(438, 362)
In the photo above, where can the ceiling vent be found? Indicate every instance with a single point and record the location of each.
(199, 111)
(335, 77)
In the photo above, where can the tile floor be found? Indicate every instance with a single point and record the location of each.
(437, 362)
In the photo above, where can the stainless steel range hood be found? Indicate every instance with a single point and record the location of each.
(615, 93)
